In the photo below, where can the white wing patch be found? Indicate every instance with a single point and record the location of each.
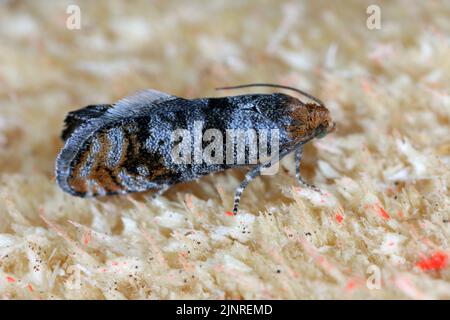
(135, 103)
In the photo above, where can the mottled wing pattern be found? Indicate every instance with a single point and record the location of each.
(104, 152)
(115, 161)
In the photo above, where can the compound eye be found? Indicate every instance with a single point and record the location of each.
(322, 134)
(322, 131)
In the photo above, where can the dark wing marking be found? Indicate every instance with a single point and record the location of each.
(75, 118)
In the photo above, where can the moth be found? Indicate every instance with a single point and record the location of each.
(127, 146)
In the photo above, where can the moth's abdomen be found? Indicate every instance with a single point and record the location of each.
(112, 161)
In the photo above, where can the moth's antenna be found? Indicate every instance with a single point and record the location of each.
(274, 86)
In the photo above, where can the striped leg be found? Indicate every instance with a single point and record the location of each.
(298, 159)
(252, 174)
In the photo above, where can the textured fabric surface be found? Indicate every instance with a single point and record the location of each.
(381, 230)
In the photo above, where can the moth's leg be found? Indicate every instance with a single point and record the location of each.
(252, 174)
(298, 159)
(159, 191)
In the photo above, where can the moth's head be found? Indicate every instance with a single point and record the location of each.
(309, 120)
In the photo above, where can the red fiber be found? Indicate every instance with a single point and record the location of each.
(437, 261)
